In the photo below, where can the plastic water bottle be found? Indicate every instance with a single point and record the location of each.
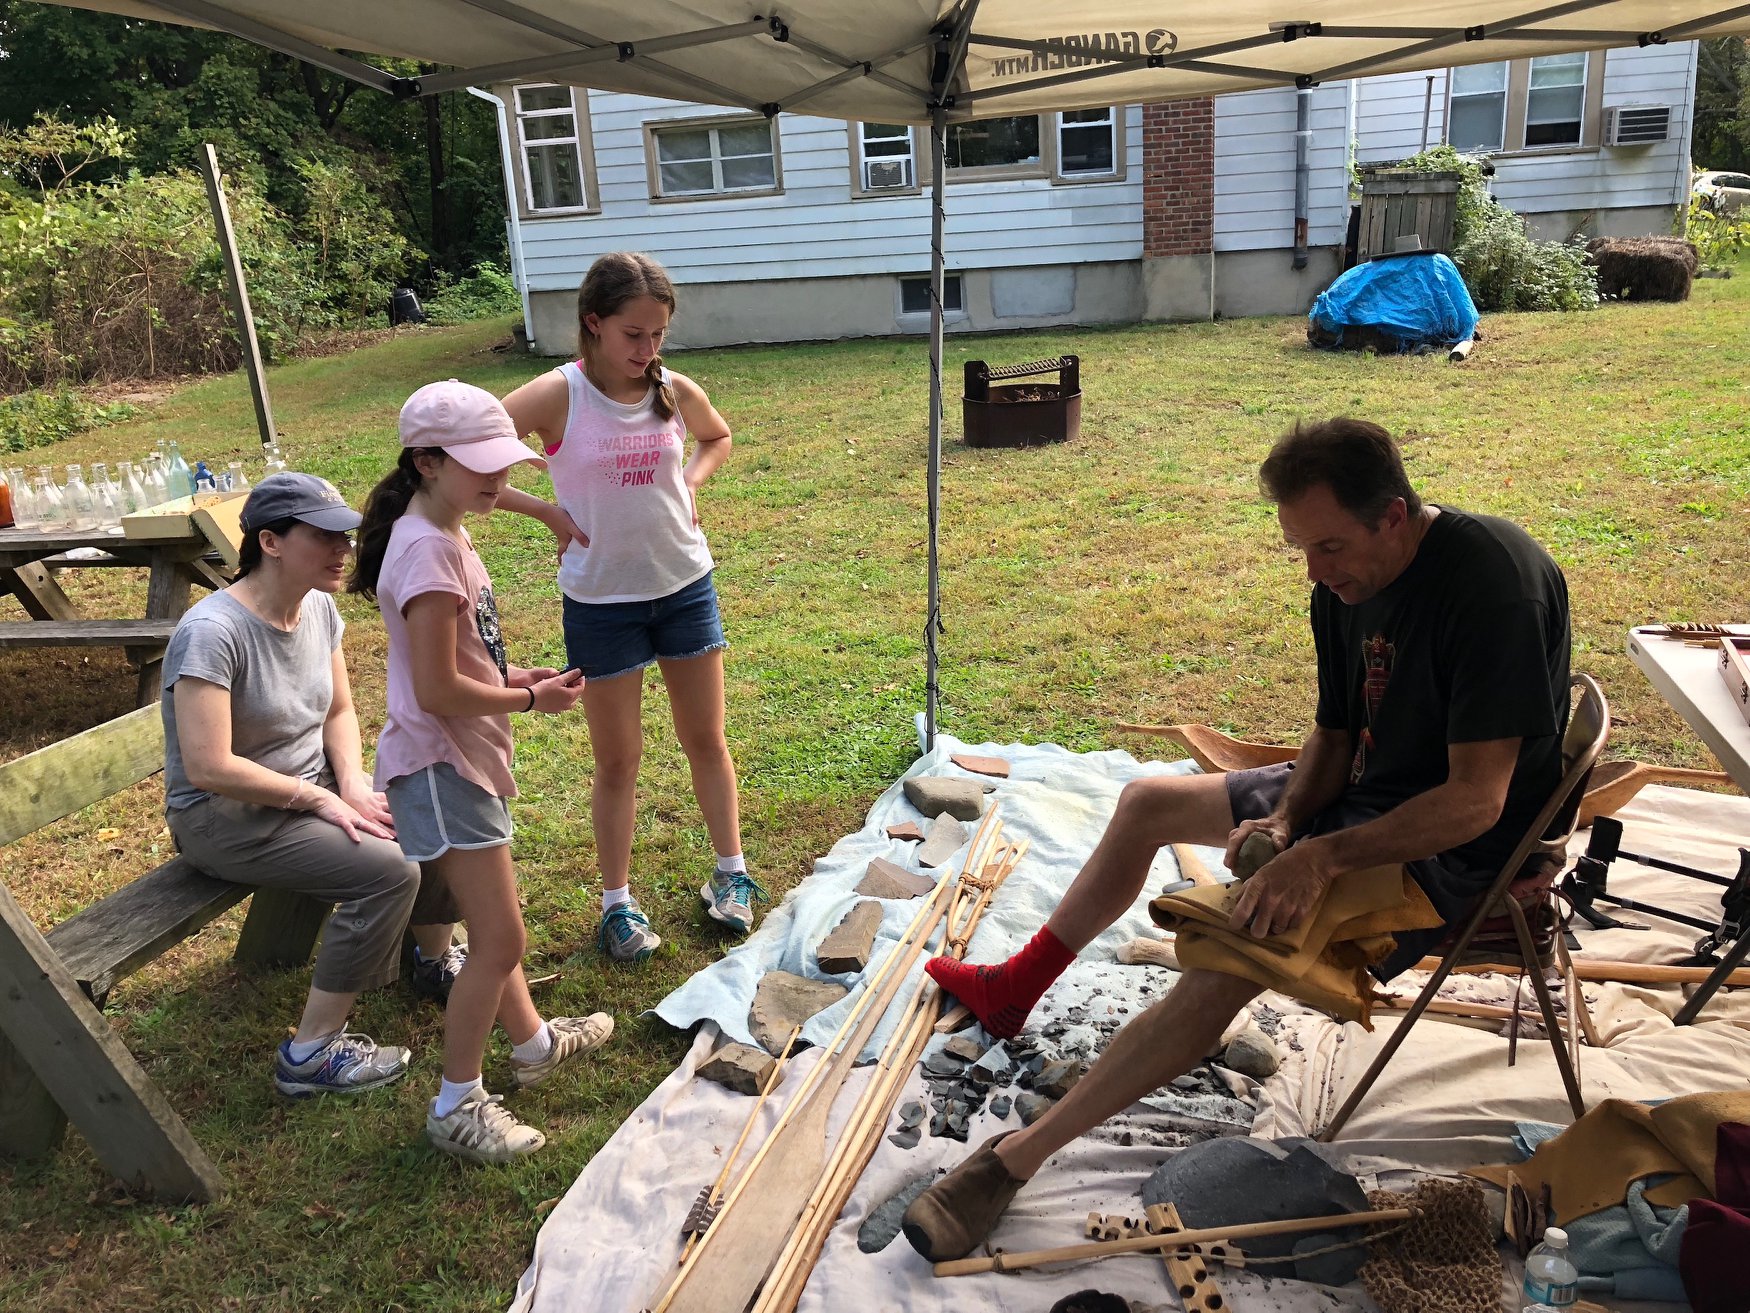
(1550, 1275)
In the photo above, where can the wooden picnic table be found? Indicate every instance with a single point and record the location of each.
(177, 561)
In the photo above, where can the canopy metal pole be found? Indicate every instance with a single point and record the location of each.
(933, 616)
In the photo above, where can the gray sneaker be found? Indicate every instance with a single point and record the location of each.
(482, 1130)
(347, 1064)
(625, 935)
(729, 897)
(572, 1037)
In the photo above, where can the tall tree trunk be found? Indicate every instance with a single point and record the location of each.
(442, 240)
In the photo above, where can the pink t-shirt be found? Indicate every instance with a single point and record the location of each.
(422, 558)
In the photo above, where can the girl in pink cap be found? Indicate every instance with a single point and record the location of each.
(444, 758)
(636, 573)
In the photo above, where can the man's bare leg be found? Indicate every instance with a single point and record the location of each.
(954, 1215)
(1150, 814)
(1169, 1039)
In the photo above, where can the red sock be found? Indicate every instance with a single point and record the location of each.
(1001, 996)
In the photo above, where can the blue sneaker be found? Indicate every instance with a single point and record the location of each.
(729, 896)
(625, 935)
(347, 1064)
(432, 980)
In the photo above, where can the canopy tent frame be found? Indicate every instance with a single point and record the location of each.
(952, 95)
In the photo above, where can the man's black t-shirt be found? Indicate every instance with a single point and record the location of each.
(1469, 643)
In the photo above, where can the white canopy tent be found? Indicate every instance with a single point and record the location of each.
(919, 61)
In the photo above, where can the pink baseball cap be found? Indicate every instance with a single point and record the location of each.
(468, 422)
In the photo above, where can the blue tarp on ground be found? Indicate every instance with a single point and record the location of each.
(1415, 299)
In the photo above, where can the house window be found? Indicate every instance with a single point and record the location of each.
(1555, 100)
(888, 160)
(914, 295)
(714, 158)
(1478, 118)
(1009, 145)
(1087, 142)
(553, 173)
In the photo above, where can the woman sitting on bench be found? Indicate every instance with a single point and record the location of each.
(263, 780)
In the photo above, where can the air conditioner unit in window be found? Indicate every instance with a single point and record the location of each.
(880, 175)
(1636, 125)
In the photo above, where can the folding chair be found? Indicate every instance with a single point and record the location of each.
(1540, 853)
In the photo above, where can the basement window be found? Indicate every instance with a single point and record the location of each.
(914, 295)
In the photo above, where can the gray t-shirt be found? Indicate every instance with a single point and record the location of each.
(282, 685)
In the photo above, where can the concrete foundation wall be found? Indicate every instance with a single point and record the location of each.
(993, 300)
(1632, 221)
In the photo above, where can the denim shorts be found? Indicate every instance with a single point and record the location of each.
(604, 639)
(435, 810)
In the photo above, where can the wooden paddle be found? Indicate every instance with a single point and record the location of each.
(1215, 751)
(1614, 784)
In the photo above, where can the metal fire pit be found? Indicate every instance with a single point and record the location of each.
(1022, 414)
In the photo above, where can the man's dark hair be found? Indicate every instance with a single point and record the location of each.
(1356, 460)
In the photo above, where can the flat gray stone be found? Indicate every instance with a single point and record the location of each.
(999, 1106)
(882, 1224)
(1235, 1179)
(911, 1116)
(1055, 1079)
(944, 1064)
(994, 1068)
(935, 794)
(941, 841)
(783, 1000)
(1252, 1053)
(906, 1137)
(964, 1047)
(740, 1067)
(885, 880)
(1032, 1107)
(846, 949)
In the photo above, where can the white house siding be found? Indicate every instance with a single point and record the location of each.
(1568, 182)
(815, 228)
(1254, 169)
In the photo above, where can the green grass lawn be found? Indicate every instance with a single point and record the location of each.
(1133, 575)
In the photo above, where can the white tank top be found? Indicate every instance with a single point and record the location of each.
(617, 473)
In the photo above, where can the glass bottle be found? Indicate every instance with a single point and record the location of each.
(177, 473)
(51, 505)
(275, 462)
(152, 478)
(133, 491)
(23, 499)
(235, 479)
(81, 505)
(105, 499)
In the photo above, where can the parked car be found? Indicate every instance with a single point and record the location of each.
(1724, 193)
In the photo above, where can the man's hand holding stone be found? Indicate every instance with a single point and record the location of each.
(1284, 892)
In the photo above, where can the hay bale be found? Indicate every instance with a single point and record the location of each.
(1644, 268)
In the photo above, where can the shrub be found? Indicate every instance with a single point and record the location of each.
(1504, 268)
(35, 419)
(1719, 238)
(488, 291)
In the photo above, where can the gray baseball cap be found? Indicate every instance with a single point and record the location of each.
(298, 497)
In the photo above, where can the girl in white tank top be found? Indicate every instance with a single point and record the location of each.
(636, 573)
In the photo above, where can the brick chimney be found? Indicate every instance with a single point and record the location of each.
(1178, 208)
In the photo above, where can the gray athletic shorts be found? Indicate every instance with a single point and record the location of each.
(435, 810)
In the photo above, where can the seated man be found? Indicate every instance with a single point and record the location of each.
(1442, 651)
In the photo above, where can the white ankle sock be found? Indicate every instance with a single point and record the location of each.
(302, 1050)
(451, 1093)
(736, 865)
(535, 1047)
(612, 898)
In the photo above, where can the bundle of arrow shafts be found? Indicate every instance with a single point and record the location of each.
(790, 1179)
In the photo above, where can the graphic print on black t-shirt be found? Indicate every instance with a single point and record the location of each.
(1378, 655)
(486, 621)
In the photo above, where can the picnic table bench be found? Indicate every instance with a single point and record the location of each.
(59, 1058)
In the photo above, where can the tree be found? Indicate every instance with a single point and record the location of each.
(434, 163)
(1722, 104)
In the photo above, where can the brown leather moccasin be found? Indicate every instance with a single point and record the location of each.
(954, 1215)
